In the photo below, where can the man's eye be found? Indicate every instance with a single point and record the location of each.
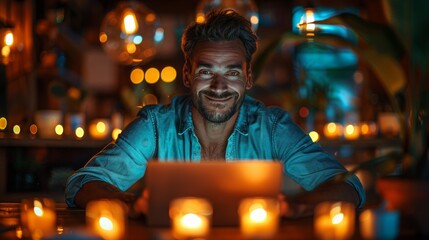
(205, 72)
(233, 73)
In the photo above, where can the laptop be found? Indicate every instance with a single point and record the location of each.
(223, 184)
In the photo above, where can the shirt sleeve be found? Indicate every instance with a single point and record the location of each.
(120, 163)
(305, 161)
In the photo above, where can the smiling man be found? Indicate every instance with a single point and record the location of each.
(217, 121)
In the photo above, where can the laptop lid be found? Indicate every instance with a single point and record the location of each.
(224, 184)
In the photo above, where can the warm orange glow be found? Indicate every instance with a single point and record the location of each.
(137, 75)
(115, 133)
(168, 74)
(254, 20)
(59, 130)
(5, 51)
(131, 48)
(103, 37)
(314, 136)
(152, 75)
(129, 24)
(150, 17)
(3, 123)
(8, 39)
(33, 129)
(200, 18)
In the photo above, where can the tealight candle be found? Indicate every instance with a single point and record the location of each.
(332, 130)
(38, 217)
(259, 217)
(368, 129)
(334, 220)
(107, 218)
(99, 128)
(379, 224)
(190, 217)
(351, 132)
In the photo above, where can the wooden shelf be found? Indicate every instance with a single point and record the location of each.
(59, 143)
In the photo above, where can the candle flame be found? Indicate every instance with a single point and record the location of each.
(38, 208)
(191, 220)
(258, 213)
(338, 218)
(105, 223)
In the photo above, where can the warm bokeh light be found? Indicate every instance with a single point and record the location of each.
(168, 74)
(59, 130)
(191, 220)
(129, 25)
(33, 129)
(303, 112)
(3, 123)
(8, 39)
(200, 18)
(254, 20)
(131, 48)
(150, 18)
(16, 129)
(79, 132)
(258, 213)
(102, 37)
(314, 136)
(137, 75)
(351, 132)
(101, 126)
(5, 51)
(115, 133)
(105, 223)
(152, 75)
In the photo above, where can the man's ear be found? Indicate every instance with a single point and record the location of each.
(249, 82)
(186, 71)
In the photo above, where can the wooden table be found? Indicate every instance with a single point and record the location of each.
(71, 222)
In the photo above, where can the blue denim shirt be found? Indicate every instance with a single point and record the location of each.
(166, 133)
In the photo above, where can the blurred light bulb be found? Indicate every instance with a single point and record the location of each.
(130, 33)
(246, 8)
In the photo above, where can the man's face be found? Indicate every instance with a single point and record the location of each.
(218, 76)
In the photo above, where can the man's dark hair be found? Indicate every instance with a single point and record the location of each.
(220, 25)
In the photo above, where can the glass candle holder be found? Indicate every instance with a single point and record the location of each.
(190, 217)
(107, 218)
(38, 217)
(332, 130)
(259, 217)
(379, 224)
(334, 220)
(351, 132)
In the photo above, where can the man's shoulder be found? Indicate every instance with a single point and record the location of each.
(255, 107)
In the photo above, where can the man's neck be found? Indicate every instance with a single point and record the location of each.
(213, 137)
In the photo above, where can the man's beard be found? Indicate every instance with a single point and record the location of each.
(216, 116)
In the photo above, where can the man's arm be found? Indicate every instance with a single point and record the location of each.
(94, 190)
(304, 203)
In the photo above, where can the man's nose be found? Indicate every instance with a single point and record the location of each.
(219, 83)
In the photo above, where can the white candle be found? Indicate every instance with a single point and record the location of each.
(334, 220)
(107, 218)
(190, 217)
(259, 217)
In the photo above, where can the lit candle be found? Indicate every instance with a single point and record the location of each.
(259, 217)
(351, 132)
(38, 217)
(190, 217)
(99, 128)
(334, 220)
(368, 129)
(379, 224)
(107, 218)
(332, 130)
